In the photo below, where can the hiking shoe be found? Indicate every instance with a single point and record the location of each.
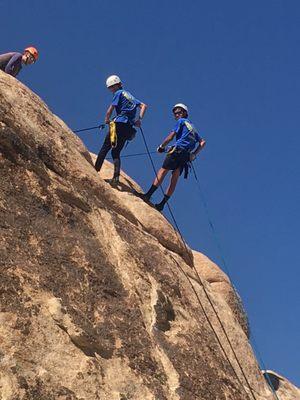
(142, 196)
(159, 207)
(113, 181)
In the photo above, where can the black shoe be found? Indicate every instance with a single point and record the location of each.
(113, 181)
(159, 206)
(142, 196)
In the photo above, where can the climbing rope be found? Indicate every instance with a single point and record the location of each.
(266, 376)
(134, 155)
(102, 126)
(225, 267)
(204, 290)
(148, 152)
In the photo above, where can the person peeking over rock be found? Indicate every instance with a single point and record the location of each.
(178, 156)
(12, 63)
(122, 127)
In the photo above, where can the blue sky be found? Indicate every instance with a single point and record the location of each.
(236, 64)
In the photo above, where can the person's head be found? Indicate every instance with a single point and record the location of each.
(30, 55)
(113, 83)
(180, 110)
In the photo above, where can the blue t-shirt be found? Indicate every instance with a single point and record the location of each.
(126, 106)
(11, 63)
(186, 134)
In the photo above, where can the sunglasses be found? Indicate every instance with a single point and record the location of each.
(30, 58)
(177, 112)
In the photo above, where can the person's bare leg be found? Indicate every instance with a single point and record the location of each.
(173, 182)
(160, 177)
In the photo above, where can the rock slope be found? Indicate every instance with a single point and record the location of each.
(99, 297)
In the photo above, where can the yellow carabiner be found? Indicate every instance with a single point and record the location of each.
(113, 134)
(171, 150)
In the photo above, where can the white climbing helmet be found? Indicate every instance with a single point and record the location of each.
(112, 80)
(181, 105)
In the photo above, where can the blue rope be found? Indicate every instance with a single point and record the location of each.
(204, 290)
(217, 241)
(102, 126)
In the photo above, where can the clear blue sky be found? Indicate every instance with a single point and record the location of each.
(237, 65)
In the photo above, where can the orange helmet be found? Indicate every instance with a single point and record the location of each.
(33, 51)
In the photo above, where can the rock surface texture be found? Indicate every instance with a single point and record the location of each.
(99, 297)
(283, 388)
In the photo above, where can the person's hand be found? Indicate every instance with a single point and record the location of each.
(138, 123)
(160, 149)
(192, 156)
(107, 121)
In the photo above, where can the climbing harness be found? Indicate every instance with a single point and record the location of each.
(184, 168)
(114, 138)
(171, 149)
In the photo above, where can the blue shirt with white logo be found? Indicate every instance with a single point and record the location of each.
(125, 105)
(186, 134)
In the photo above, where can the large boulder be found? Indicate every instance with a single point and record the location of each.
(281, 387)
(99, 296)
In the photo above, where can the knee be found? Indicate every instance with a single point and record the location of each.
(176, 173)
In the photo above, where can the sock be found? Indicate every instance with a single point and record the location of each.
(151, 191)
(161, 205)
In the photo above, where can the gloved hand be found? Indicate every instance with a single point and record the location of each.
(138, 123)
(160, 149)
(192, 156)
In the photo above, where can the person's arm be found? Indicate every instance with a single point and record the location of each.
(108, 114)
(171, 136)
(114, 104)
(168, 139)
(200, 146)
(14, 64)
(143, 108)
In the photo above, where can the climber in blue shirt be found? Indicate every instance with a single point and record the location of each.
(12, 63)
(126, 106)
(121, 128)
(178, 156)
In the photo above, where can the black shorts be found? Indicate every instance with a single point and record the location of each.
(177, 159)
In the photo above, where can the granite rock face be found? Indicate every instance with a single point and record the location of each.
(99, 297)
(283, 388)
